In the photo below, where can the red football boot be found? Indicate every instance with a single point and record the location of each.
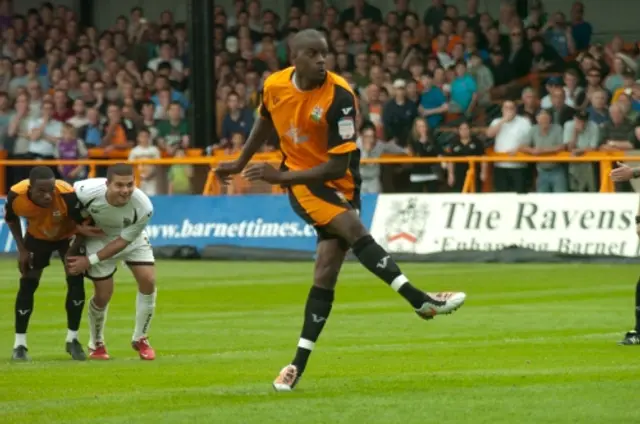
(99, 352)
(144, 349)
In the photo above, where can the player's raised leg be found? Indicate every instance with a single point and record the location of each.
(633, 337)
(145, 275)
(370, 254)
(29, 282)
(98, 306)
(330, 254)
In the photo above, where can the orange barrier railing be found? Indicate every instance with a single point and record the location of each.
(605, 161)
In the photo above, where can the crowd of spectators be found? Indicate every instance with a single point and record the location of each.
(423, 80)
(427, 86)
(66, 88)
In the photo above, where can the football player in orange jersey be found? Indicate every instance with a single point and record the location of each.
(51, 210)
(314, 112)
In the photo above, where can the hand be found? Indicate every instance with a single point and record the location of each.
(89, 230)
(451, 179)
(24, 261)
(622, 173)
(226, 170)
(263, 172)
(77, 264)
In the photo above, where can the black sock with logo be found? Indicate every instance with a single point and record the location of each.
(24, 303)
(373, 257)
(75, 301)
(316, 313)
(638, 306)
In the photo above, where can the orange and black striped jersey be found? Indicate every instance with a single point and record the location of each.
(314, 124)
(54, 223)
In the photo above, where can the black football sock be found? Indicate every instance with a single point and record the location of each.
(24, 303)
(75, 301)
(316, 313)
(638, 306)
(379, 262)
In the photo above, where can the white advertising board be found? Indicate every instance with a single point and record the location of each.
(572, 223)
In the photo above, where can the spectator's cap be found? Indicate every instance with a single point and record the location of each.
(554, 82)
(231, 44)
(399, 83)
(582, 115)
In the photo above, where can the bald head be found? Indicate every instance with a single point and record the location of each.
(305, 39)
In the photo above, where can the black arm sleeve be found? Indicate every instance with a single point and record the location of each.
(74, 207)
(9, 213)
(341, 120)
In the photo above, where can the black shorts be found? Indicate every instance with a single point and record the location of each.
(41, 250)
(318, 205)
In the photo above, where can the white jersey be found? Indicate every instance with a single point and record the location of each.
(128, 221)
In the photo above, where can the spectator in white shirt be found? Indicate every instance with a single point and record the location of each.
(44, 133)
(511, 132)
(79, 118)
(35, 93)
(148, 173)
(166, 55)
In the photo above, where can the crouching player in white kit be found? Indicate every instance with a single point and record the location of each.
(121, 211)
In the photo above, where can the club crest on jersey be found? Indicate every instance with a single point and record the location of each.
(57, 216)
(316, 114)
(346, 128)
(126, 222)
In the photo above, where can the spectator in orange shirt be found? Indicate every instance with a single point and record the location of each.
(119, 133)
(446, 28)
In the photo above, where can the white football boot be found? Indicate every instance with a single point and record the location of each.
(441, 304)
(287, 379)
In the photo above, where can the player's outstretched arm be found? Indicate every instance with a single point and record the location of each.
(78, 264)
(335, 168)
(263, 128)
(15, 226)
(624, 173)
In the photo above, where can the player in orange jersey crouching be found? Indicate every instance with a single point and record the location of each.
(51, 210)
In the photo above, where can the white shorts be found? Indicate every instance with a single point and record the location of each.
(139, 252)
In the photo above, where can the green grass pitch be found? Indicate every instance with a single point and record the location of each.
(533, 344)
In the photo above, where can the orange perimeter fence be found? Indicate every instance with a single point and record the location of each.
(211, 187)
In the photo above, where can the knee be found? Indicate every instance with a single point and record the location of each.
(75, 285)
(355, 231)
(147, 284)
(326, 276)
(28, 286)
(102, 294)
(101, 300)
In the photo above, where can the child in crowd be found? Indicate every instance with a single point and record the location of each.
(69, 147)
(148, 173)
